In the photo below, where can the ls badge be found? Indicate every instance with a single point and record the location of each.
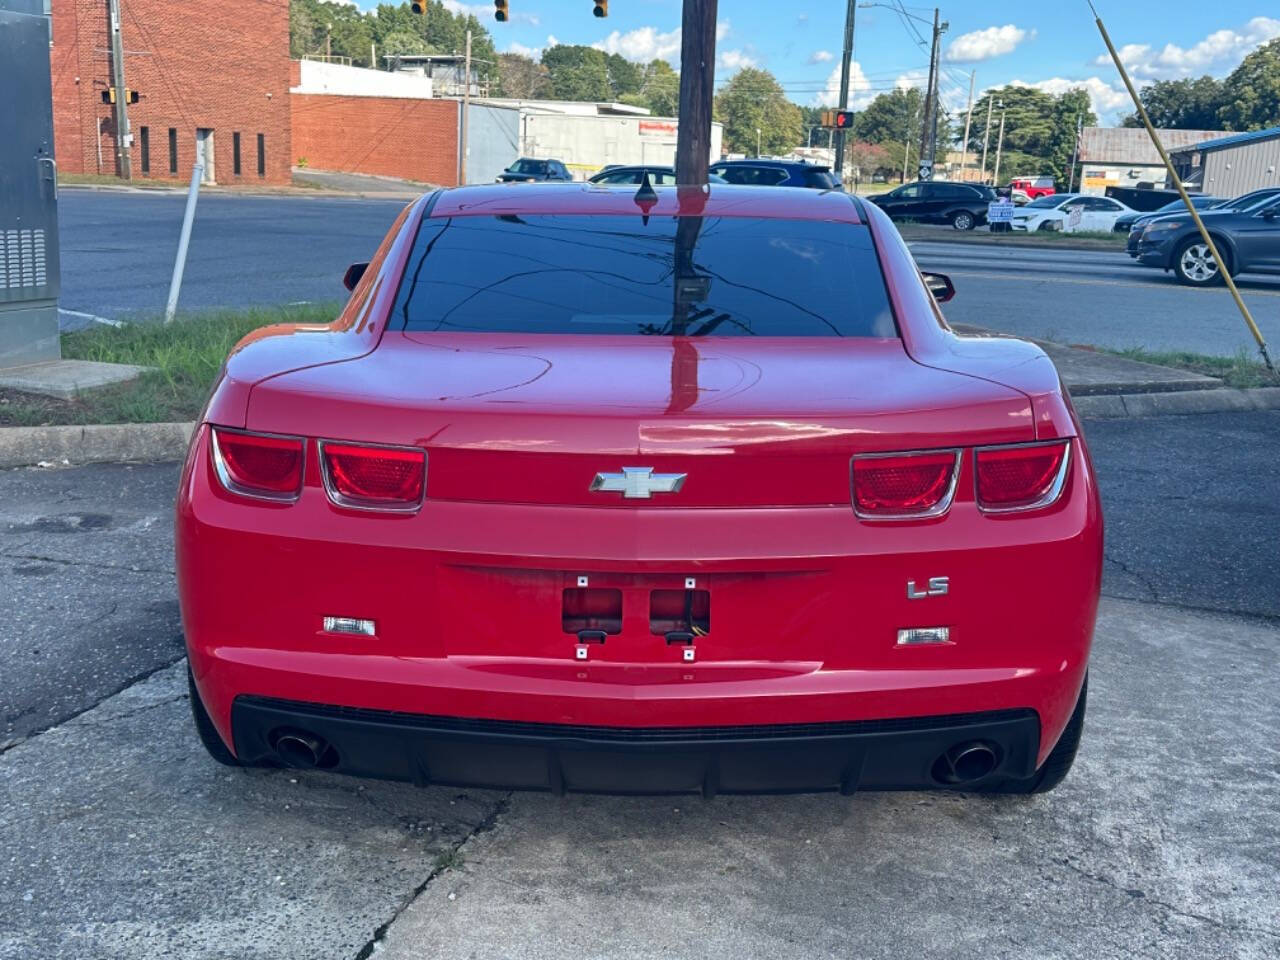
(937, 587)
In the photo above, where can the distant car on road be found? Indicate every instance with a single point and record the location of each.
(1053, 211)
(1248, 240)
(1134, 223)
(776, 173)
(531, 170)
(1033, 187)
(658, 176)
(963, 205)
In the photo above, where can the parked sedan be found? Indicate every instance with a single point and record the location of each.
(1172, 209)
(658, 176)
(963, 205)
(1132, 224)
(683, 494)
(761, 172)
(531, 170)
(1248, 240)
(1053, 212)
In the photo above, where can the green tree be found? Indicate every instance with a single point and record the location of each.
(659, 90)
(1181, 104)
(753, 101)
(523, 77)
(1039, 129)
(1251, 92)
(577, 72)
(892, 117)
(625, 77)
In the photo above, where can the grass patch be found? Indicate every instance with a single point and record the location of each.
(1241, 371)
(111, 180)
(186, 355)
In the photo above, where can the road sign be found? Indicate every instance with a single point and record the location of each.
(1000, 211)
(926, 170)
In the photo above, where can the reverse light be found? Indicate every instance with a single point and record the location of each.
(364, 628)
(1023, 477)
(914, 636)
(367, 477)
(261, 465)
(904, 486)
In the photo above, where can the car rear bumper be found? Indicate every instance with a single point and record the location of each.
(907, 753)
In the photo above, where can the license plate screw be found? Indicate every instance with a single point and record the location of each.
(690, 583)
(582, 580)
(580, 652)
(688, 654)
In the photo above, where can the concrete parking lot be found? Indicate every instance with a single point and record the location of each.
(121, 838)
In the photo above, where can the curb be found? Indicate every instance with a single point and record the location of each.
(103, 443)
(317, 193)
(1176, 403)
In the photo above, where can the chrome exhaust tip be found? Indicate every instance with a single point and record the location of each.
(966, 763)
(303, 751)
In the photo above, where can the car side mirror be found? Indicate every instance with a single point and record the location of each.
(353, 275)
(940, 286)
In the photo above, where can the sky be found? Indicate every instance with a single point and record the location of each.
(1053, 45)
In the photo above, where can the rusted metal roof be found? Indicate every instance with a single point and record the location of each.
(1132, 145)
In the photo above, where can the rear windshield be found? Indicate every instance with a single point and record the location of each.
(821, 179)
(694, 276)
(528, 166)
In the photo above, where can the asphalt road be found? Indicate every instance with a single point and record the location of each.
(117, 254)
(122, 839)
(1096, 297)
(118, 249)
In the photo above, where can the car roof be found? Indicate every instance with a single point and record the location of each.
(719, 200)
(770, 162)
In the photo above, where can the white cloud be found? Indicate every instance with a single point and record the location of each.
(649, 43)
(534, 53)
(821, 56)
(732, 60)
(987, 43)
(912, 78)
(484, 11)
(859, 89)
(552, 41)
(1218, 52)
(1106, 99)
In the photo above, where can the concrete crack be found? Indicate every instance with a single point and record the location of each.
(38, 558)
(1137, 894)
(444, 862)
(1141, 578)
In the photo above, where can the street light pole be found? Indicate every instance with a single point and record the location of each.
(986, 136)
(995, 177)
(968, 118)
(846, 62)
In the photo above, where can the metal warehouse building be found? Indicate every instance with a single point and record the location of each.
(1232, 165)
(1126, 157)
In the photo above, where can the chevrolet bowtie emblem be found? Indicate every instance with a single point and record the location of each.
(638, 483)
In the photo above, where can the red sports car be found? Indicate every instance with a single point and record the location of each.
(677, 490)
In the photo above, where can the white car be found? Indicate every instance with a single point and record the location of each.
(1055, 212)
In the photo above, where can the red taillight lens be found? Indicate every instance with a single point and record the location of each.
(257, 464)
(904, 485)
(380, 478)
(1021, 478)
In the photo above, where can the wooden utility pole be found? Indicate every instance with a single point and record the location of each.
(124, 137)
(928, 135)
(986, 135)
(697, 83)
(466, 116)
(968, 118)
(846, 61)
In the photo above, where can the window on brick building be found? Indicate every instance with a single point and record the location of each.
(235, 153)
(145, 135)
(173, 150)
(262, 155)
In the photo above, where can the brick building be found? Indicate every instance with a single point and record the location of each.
(212, 76)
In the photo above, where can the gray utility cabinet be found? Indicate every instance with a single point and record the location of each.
(29, 274)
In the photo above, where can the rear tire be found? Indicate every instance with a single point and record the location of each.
(963, 220)
(205, 729)
(1194, 265)
(1055, 769)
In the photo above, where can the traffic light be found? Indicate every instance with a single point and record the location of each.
(601, 8)
(844, 120)
(109, 95)
(500, 10)
(419, 7)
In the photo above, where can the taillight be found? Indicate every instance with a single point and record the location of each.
(374, 478)
(261, 465)
(904, 485)
(1022, 477)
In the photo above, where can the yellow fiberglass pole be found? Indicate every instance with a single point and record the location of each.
(1182, 191)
